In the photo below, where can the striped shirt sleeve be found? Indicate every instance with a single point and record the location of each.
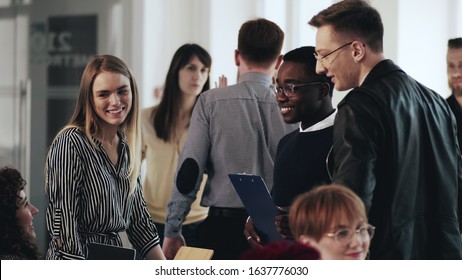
(64, 175)
(141, 232)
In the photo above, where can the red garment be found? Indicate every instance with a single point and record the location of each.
(282, 250)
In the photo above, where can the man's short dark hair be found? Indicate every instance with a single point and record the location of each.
(260, 41)
(455, 43)
(353, 18)
(305, 55)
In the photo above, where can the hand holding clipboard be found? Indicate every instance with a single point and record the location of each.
(258, 202)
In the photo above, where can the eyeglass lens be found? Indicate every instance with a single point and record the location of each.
(289, 89)
(323, 60)
(344, 235)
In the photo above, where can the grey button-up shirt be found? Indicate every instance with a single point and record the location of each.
(234, 129)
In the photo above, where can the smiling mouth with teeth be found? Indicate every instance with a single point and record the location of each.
(286, 109)
(116, 111)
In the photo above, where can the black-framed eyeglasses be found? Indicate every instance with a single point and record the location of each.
(323, 60)
(344, 235)
(289, 89)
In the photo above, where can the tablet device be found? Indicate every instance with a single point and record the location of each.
(99, 251)
(259, 204)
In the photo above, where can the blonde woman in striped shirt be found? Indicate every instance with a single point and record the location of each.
(93, 166)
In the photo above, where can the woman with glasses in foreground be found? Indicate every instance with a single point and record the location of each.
(332, 219)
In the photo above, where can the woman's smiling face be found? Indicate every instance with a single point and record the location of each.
(112, 97)
(25, 215)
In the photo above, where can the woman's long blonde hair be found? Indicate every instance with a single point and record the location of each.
(86, 119)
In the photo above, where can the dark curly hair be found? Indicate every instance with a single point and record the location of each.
(13, 244)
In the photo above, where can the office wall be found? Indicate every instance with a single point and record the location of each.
(424, 29)
(416, 33)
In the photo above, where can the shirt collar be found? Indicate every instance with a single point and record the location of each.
(327, 122)
(255, 77)
(364, 78)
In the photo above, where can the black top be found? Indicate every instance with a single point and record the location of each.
(300, 164)
(457, 111)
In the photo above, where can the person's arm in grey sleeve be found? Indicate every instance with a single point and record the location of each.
(191, 166)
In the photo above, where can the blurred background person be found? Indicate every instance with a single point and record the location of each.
(92, 170)
(233, 129)
(332, 219)
(454, 69)
(164, 129)
(17, 233)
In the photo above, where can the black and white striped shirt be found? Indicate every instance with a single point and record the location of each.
(89, 198)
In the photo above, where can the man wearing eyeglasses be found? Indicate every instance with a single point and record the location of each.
(454, 69)
(304, 97)
(395, 141)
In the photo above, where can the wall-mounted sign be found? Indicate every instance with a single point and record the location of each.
(72, 41)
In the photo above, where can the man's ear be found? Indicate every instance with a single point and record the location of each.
(324, 90)
(237, 59)
(278, 62)
(359, 51)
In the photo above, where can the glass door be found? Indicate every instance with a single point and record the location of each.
(14, 85)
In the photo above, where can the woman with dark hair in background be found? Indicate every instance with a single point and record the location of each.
(17, 233)
(164, 131)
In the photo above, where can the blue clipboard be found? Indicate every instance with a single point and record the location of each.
(259, 204)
